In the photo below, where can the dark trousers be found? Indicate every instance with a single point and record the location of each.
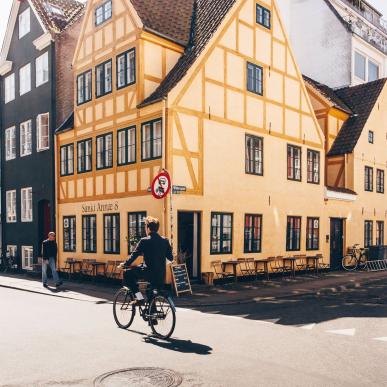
(132, 276)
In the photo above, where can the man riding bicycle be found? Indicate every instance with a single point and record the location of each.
(154, 248)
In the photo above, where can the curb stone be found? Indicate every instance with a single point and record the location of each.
(250, 300)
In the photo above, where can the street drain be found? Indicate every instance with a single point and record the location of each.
(139, 377)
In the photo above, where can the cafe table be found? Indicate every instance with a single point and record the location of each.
(314, 259)
(97, 265)
(265, 263)
(72, 264)
(292, 262)
(234, 265)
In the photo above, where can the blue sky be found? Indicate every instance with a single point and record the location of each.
(381, 5)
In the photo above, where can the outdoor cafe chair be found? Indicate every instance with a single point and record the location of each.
(67, 267)
(321, 263)
(247, 266)
(112, 269)
(300, 262)
(218, 270)
(87, 267)
(275, 264)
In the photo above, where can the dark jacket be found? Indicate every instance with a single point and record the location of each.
(49, 249)
(154, 249)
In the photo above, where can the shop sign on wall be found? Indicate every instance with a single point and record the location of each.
(100, 207)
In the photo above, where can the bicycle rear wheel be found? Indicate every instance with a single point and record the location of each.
(349, 263)
(123, 310)
(162, 317)
(362, 264)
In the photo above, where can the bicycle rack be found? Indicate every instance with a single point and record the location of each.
(380, 265)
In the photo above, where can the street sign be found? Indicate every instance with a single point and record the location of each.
(177, 189)
(161, 185)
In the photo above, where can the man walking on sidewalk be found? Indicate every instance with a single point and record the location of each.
(49, 252)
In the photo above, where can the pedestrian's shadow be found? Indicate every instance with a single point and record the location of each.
(183, 346)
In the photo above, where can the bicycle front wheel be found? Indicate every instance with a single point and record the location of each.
(123, 309)
(349, 263)
(162, 317)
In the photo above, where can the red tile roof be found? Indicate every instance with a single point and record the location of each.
(57, 15)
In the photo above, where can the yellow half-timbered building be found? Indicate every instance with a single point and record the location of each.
(211, 92)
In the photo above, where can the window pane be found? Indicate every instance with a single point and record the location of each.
(121, 71)
(360, 66)
(373, 71)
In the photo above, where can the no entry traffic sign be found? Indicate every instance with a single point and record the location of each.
(161, 185)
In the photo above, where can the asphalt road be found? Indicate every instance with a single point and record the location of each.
(337, 340)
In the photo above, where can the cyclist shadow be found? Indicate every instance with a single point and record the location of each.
(183, 346)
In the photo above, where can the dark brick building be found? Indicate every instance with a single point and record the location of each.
(36, 94)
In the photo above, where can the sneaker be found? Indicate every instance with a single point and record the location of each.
(45, 285)
(59, 284)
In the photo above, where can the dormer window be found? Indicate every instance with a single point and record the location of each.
(24, 23)
(103, 12)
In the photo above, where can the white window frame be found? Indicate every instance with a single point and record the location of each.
(11, 206)
(39, 137)
(24, 23)
(9, 88)
(365, 65)
(41, 69)
(26, 204)
(30, 257)
(10, 143)
(26, 138)
(25, 79)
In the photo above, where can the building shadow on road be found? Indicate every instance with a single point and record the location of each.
(183, 346)
(299, 310)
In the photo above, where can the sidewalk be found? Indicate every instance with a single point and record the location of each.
(225, 294)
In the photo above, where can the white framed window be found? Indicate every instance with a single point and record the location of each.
(24, 23)
(25, 79)
(26, 204)
(11, 206)
(12, 250)
(42, 69)
(360, 66)
(27, 257)
(373, 71)
(25, 139)
(9, 88)
(42, 132)
(10, 143)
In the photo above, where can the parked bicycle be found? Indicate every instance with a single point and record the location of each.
(356, 259)
(158, 311)
(8, 263)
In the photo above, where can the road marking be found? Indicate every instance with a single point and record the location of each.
(308, 327)
(344, 332)
(381, 338)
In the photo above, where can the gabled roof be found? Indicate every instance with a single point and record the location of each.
(170, 19)
(53, 15)
(329, 94)
(57, 15)
(206, 18)
(361, 99)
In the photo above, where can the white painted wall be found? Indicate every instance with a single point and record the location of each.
(321, 43)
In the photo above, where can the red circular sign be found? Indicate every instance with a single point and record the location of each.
(161, 185)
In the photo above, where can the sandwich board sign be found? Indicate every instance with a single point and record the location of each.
(181, 279)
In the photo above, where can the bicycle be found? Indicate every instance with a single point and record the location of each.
(356, 258)
(158, 310)
(9, 263)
